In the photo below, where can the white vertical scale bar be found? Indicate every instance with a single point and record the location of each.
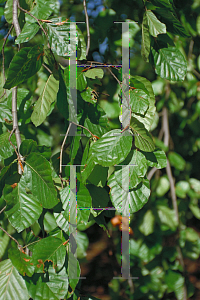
(125, 183)
(72, 80)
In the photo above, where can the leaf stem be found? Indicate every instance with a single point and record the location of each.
(10, 236)
(87, 26)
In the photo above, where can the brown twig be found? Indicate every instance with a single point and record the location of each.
(172, 189)
(14, 96)
(10, 236)
(47, 68)
(37, 20)
(87, 26)
(2, 209)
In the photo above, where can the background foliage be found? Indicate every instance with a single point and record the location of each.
(164, 100)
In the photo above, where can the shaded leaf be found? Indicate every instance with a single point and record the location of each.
(145, 46)
(44, 102)
(21, 261)
(24, 65)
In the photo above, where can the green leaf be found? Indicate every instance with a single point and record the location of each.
(173, 24)
(73, 270)
(135, 198)
(24, 65)
(28, 32)
(112, 148)
(13, 285)
(43, 104)
(98, 175)
(155, 26)
(170, 63)
(176, 160)
(59, 37)
(93, 73)
(6, 149)
(39, 180)
(139, 101)
(157, 159)
(21, 261)
(83, 201)
(148, 118)
(23, 208)
(54, 289)
(163, 186)
(81, 47)
(94, 128)
(6, 172)
(49, 249)
(62, 95)
(143, 139)
(167, 216)
(147, 224)
(81, 80)
(134, 171)
(88, 95)
(5, 113)
(145, 46)
(175, 282)
(99, 196)
(42, 10)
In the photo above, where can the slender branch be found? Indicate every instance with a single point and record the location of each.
(151, 173)
(27, 12)
(47, 68)
(61, 153)
(87, 26)
(165, 126)
(10, 236)
(196, 73)
(190, 49)
(14, 95)
(172, 189)
(15, 17)
(2, 209)
(83, 128)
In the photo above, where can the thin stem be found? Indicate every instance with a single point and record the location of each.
(47, 68)
(14, 95)
(87, 26)
(2, 209)
(27, 12)
(10, 236)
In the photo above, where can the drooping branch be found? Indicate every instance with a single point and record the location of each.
(10, 236)
(87, 26)
(172, 188)
(14, 94)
